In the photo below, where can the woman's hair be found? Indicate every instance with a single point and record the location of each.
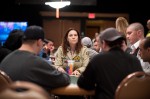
(121, 24)
(65, 43)
(14, 40)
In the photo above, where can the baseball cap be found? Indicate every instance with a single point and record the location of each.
(86, 41)
(110, 34)
(33, 33)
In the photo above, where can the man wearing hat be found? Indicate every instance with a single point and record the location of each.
(107, 69)
(24, 64)
(86, 41)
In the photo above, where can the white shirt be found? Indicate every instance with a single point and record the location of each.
(145, 65)
(135, 45)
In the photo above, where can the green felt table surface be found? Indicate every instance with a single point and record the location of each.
(73, 79)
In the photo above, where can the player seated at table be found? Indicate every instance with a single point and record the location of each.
(71, 49)
(24, 64)
(107, 69)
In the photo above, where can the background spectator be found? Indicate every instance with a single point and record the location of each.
(86, 41)
(135, 33)
(121, 26)
(148, 26)
(144, 49)
(12, 43)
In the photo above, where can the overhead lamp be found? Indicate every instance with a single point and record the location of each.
(57, 5)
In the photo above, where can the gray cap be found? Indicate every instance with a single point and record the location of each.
(86, 41)
(110, 34)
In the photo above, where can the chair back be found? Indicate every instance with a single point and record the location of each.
(4, 79)
(24, 90)
(135, 86)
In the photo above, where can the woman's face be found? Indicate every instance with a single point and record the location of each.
(72, 37)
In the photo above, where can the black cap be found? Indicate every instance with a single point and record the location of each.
(110, 34)
(34, 33)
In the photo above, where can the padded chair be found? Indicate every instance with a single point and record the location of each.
(24, 90)
(4, 80)
(134, 86)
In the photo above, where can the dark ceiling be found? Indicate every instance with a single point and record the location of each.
(81, 5)
(73, 2)
(29, 9)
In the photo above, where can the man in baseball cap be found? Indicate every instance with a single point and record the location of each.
(107, 69)
(33, 33)
(24, 64)
(110, 34)
(110, 38)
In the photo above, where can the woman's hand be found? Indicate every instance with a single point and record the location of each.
(52, 49)
(76, 73)
(61, 69)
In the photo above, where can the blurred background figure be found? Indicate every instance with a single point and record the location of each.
(96, 46)
(135, 33)
(47, 51)
(86, 41)
(148, 26)
(71, 49)
(49, 46)
(144, 49)
(12, 43)
(121, 26)
(95, 36)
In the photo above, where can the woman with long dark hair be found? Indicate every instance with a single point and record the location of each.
(71, 49)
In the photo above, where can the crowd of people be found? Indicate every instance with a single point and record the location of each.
(100, 63)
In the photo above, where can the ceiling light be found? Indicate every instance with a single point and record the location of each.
(58, 4)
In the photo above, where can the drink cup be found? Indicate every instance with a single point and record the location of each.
(52, 59)
(70, 66)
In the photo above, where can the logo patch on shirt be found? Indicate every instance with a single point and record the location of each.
(76, 58)
(87, 53)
